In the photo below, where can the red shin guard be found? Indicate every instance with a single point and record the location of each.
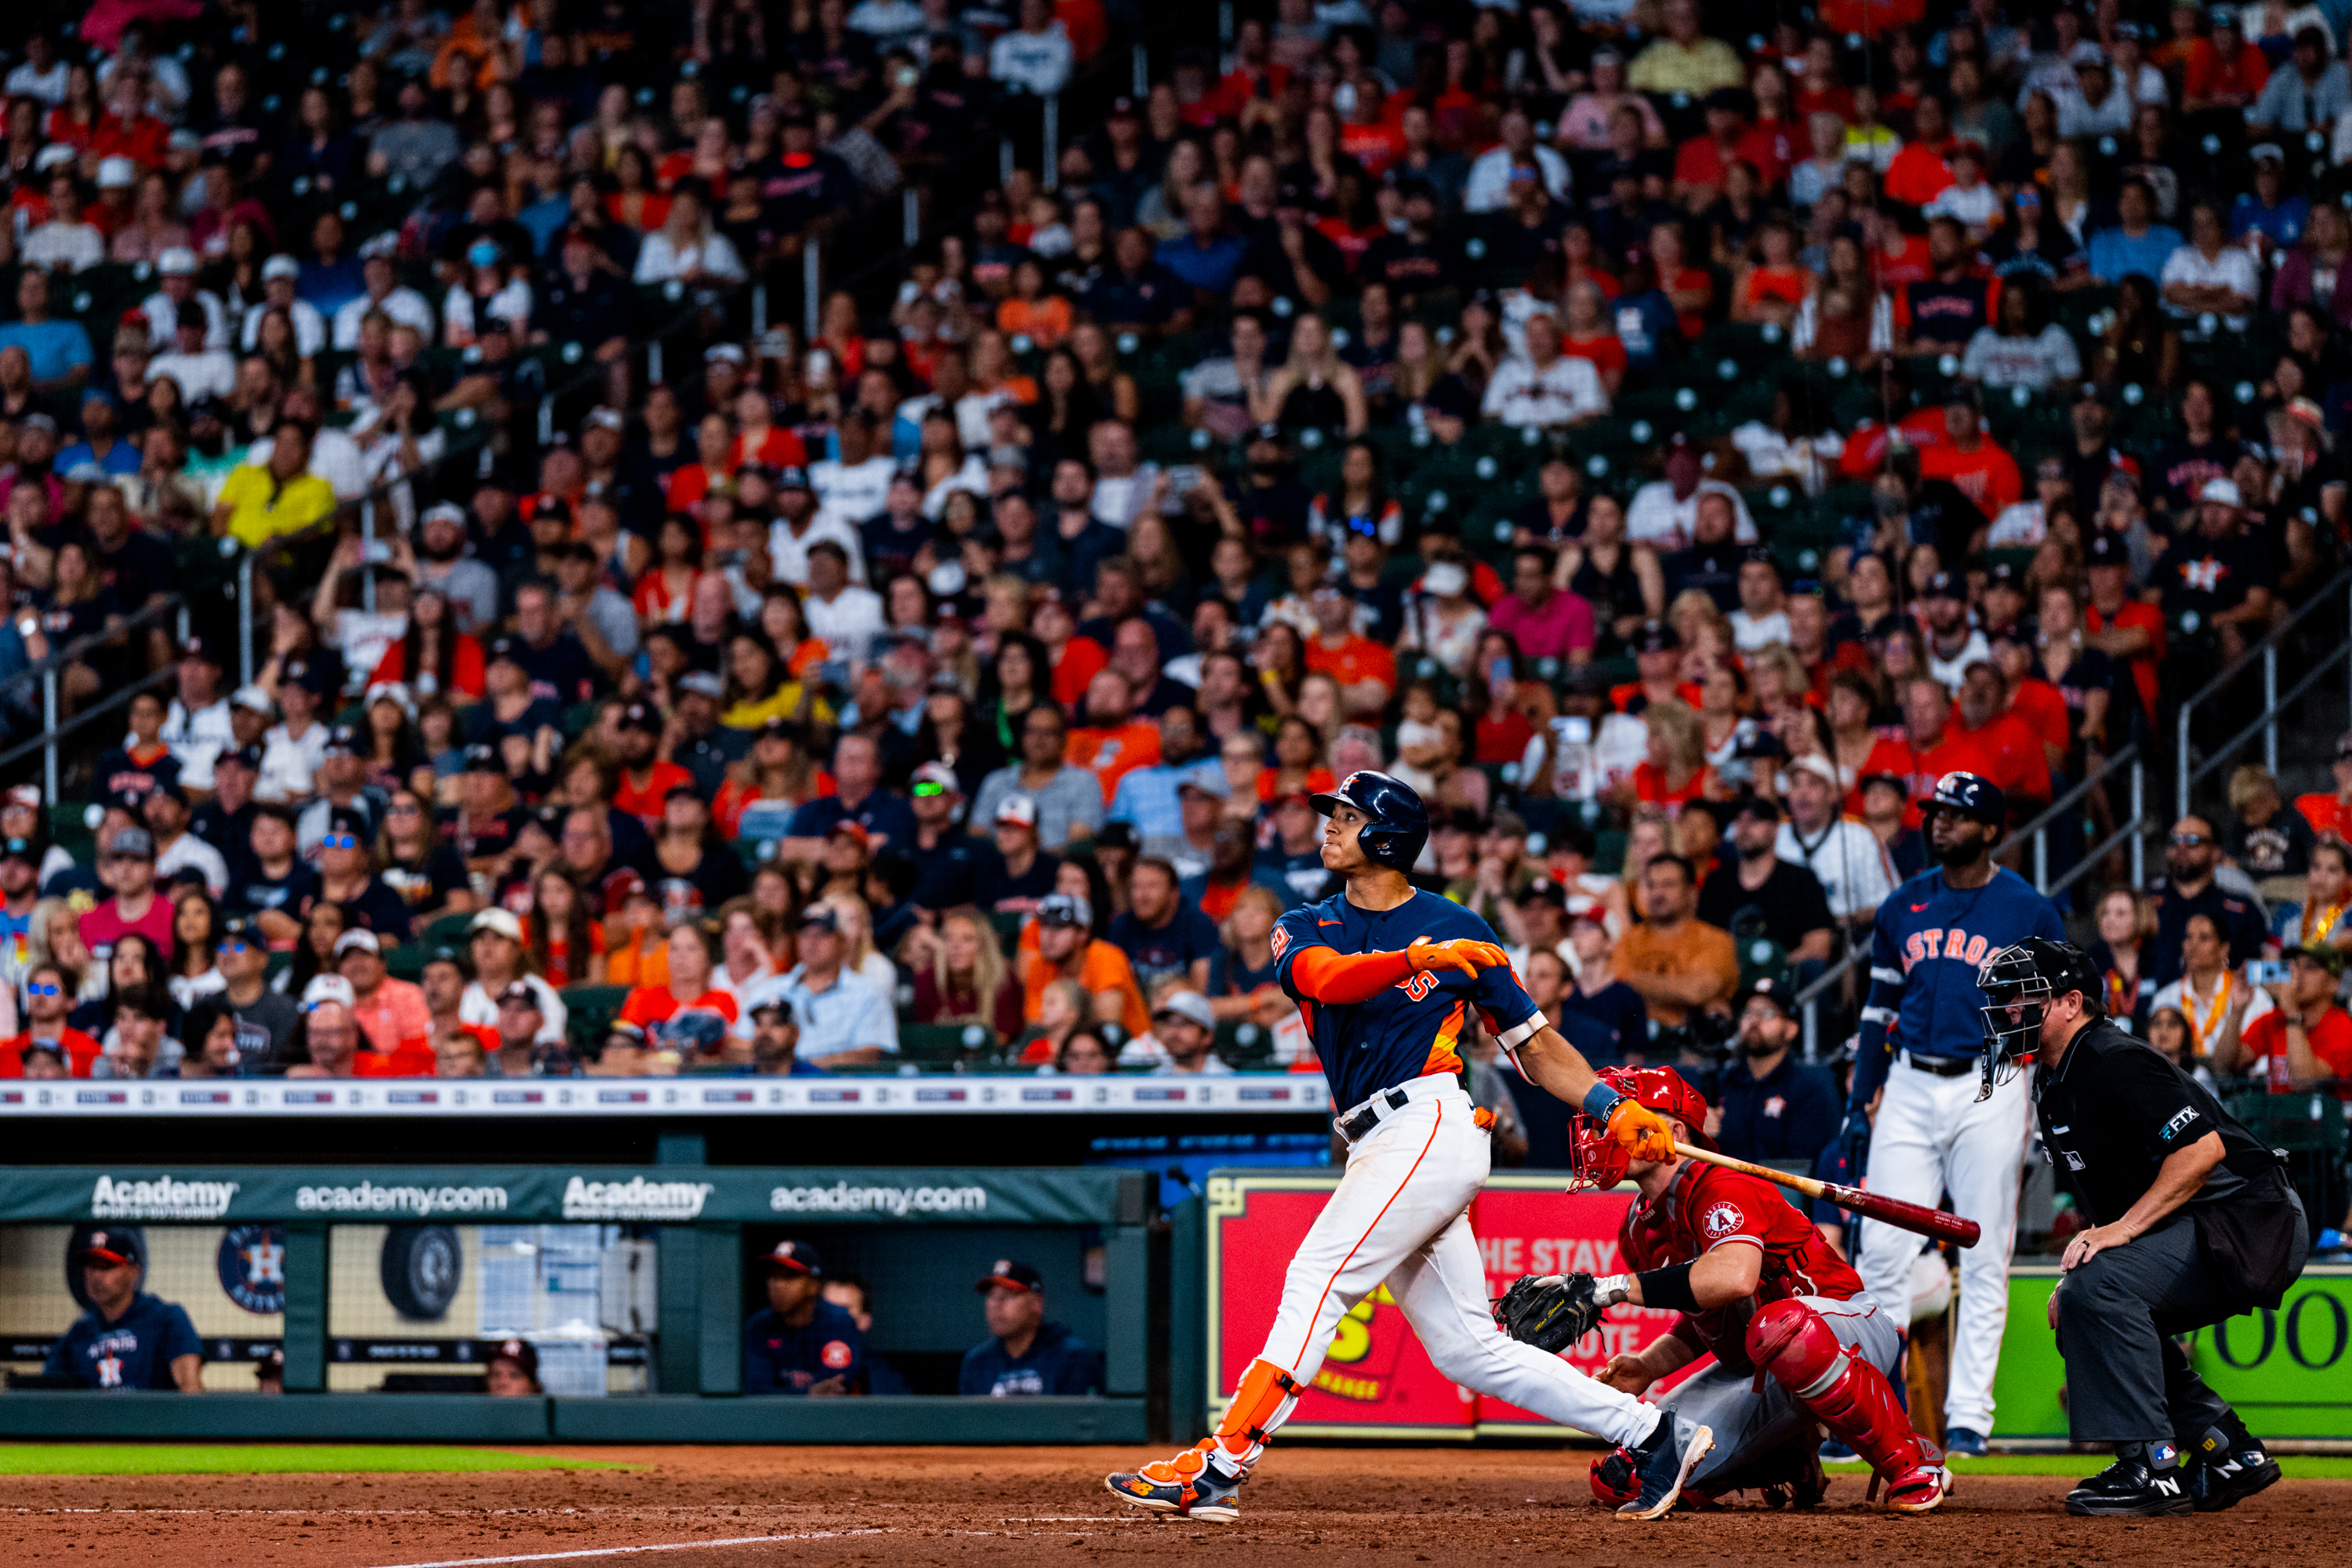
(1793, 1344)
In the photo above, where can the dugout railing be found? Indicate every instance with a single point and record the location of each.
(386, 1286)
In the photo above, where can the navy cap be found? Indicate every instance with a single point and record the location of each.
(344, 820)
(795, 1258)
(1942, 585)
(1657, 636)
(1011, 1274)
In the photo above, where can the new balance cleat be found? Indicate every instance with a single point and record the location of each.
(1187, 1486)
(1664, 1462)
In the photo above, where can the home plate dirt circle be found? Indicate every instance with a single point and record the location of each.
(878, 1507)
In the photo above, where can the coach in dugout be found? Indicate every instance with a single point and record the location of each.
(800, 1343)
(128, 1340)
(2193, 1221)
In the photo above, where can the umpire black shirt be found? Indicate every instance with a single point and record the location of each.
(2115, 1110)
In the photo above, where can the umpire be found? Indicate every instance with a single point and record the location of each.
(2193, 1221)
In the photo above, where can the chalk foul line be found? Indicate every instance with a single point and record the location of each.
(629, 1551)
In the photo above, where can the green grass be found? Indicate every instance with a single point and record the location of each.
(2303, 1466)
(269, 1459)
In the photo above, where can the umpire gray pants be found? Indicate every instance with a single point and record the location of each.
(1750, 1425)
(2126, 1381)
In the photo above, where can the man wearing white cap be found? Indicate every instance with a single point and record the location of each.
(384, 292)
(1843, 855)
(175, 271)
(280, 276)
(2217, 574)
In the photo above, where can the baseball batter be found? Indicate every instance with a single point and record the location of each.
(1385, 977)
(1920, 1039)
(1795, 1338)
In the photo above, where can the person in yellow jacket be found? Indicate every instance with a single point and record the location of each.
(261, 501)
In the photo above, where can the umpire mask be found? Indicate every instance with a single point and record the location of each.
(2019, 982)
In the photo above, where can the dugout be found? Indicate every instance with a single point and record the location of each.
(386, 1286)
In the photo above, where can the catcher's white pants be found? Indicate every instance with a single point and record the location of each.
(1930, 1138)
(1402, 1215)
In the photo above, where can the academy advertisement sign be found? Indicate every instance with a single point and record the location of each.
(527, 1194)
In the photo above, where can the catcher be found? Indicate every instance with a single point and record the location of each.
(1795, 1338)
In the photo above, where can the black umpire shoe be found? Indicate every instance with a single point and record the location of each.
(2224, 1480)
(2128, 1488)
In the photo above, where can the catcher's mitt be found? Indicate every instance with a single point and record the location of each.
(1549, 1312)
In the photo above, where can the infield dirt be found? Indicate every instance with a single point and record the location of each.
(884, 1508)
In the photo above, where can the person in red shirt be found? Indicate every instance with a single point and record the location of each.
(2330, 814)
(2307, 1037)
(127, 864)
(2010, 753)
(1369, 135)
(1796, 1337)
(1365, 670)
(2038, 704)
(1701, 163)
(1895, 258)
(1920, 173)
(1658, 661)
(2126, 629)
(1929, 748)
(688, 1016)
(1977, 467)
(2229, 75)
(644, 779)
(46, 1003)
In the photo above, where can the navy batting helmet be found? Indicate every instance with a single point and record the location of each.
(1400, 823)
(1970, 794)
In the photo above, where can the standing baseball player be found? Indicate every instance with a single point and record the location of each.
(1920, 1038)
(1795, 1338)
(1385, 977)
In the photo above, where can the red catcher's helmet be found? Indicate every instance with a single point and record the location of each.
(1595, 1160)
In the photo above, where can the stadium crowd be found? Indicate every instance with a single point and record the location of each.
(1668, 437)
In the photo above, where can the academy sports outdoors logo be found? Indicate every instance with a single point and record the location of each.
(162, 1198)
(1722, 1220)
(635, 1198)
(371, 1198)
(895, 1202)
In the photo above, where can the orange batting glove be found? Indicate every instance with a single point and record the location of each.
(1467, 956)
(1642, 1130)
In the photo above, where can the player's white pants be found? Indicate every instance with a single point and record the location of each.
(1402, 1215)
(1931, 1138)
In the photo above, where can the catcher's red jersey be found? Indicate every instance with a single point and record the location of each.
(1707, 1206)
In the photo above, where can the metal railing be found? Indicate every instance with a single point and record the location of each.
(48, 672)
(2337, 592)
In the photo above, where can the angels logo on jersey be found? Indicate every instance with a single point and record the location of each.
(1722, 1220)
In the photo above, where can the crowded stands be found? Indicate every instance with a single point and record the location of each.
(533, 568)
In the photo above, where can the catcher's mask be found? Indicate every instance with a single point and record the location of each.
(2019, 982)
(1595, 1160)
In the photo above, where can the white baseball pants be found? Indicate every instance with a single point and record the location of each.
(1930, 1138)
(1402, 1215)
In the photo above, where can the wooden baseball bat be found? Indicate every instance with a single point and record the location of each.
(1871, 1205)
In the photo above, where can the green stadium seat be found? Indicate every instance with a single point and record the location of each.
(1245, 1045)
(592, 1009)
(926, 1043)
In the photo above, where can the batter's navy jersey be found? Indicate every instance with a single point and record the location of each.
(1408, 1030)
(1927, 943)
(135, 1350)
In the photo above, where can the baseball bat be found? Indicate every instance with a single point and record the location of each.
(1892, 1211)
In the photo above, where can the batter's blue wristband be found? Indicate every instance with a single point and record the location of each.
(1600, 1100)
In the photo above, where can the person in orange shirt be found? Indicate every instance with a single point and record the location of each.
(1044, 317)
(1113, 742)
(1977, 467)
(1918, 174)
(1929, 748)
(1066, 950)
(645, 781)
(2330, 815)
(2010, 753)
(390, 1014)
(1365, 671)
(472, 46)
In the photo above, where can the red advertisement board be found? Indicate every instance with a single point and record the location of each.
(1377, 1379)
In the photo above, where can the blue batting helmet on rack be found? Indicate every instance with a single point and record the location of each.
(1400, 823)
(1970, 794)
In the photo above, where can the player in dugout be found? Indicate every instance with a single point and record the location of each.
(800, 1343)
(1025, 1352)
(128, 1340)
